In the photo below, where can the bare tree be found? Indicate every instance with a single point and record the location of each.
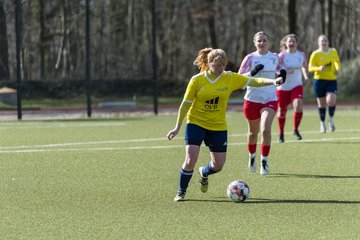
(292, 16)
(121, 43)
(4, 56)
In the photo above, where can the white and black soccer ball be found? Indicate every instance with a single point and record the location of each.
(238, 191)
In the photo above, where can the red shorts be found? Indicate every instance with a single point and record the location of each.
(252, 110)
(286, 97)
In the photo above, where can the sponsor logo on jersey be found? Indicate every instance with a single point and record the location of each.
(212, 104)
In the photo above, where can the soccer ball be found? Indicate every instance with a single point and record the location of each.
(238, 191)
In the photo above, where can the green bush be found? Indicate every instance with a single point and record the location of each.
(349, 80)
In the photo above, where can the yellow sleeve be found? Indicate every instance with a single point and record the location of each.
(312, 66)
(183, 110)
(191, 90)
(257, 82)
(336, 61)
(187, 101)
(244, 81)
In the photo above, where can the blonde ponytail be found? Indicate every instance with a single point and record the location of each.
(201, 60)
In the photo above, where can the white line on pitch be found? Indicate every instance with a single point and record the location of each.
(134, 141)
(157, 147)
(85, 143)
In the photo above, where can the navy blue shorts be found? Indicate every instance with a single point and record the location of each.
(321, 87)
(216, 141)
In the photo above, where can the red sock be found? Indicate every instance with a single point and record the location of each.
(281, 119)
(252, 148)
(297, 119)
(281, 123)
(265, 150)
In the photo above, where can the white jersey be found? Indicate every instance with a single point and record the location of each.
(271, 67)
(293, 63)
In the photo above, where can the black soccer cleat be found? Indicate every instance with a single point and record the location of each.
(281, 138)
(297, 135)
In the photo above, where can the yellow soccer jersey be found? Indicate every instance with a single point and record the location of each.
(330, 60)
(209, 98)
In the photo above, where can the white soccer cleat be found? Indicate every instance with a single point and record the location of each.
(252, 163)
(180, 196)
(322, 127)
(264, 170)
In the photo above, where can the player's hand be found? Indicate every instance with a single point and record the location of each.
(172, 133)
(283, 75)
(321, 68)
(257, 69)
(278, 81)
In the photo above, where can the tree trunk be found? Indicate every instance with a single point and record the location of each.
(4, 55)
(329, 33)
(322, 16)
(292, 16)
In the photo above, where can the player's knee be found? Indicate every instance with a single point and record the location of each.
(266, 132)
(252, 134)
(190, 162)
(282, 112)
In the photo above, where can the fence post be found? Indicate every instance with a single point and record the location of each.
(154, 58)
(88, 58)
(18, 23)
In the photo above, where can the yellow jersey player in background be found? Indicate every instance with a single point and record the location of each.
(325, 64)
(205, 103)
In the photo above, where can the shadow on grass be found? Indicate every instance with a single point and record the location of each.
(333, 142)
(297, 175)
(303, 201)
(273, 201)
(217, 200)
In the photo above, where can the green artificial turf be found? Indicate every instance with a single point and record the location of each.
(116, 179)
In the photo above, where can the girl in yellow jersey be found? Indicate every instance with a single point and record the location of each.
(325, 64)
(205, 102)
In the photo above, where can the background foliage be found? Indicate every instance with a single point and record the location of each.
(53, 39)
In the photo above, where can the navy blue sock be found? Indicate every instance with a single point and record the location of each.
(322, 113)
(185, 177)
(207, 170)
(332, 111)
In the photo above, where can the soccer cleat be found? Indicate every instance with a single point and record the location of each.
(297, 135)
(322, 127)
(204, 183)
(331, 126)
(252, 163)
(264, 170)
(281, 138)
(180, 195)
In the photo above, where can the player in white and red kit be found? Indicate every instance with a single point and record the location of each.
(260, 105)
(295, 63)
